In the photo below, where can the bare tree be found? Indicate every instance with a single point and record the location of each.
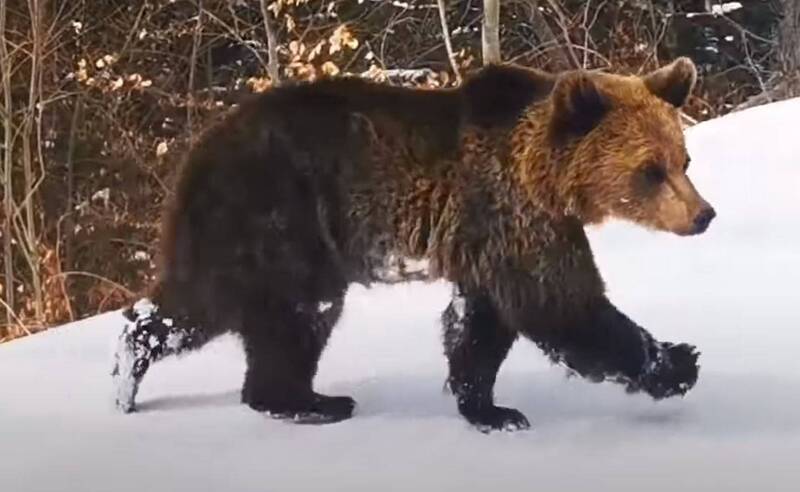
(272, 45)
(32, 158)
(789, 47)
(490, 38)
(23, 166)
(447, 43)
(564, 25)
(8, 144)
(786, 82)
(196, 38)
(547, 39)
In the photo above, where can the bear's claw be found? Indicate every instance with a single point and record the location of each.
(494, 418)
(672, 371)
(322, 410)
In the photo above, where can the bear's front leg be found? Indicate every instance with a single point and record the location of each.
(605, 345)
(476, 343)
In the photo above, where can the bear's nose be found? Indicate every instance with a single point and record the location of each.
(703, 219)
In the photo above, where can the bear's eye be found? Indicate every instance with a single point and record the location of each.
(686, 164)
(655, 173)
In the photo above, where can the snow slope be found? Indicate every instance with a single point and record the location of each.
(732, 291)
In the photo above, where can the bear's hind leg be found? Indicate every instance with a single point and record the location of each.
(283, 345)
(148, 336)
(476, 343)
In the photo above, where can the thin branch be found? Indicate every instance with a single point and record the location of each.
(95, 276)
(558, 46)
(63, 283)
(272, 45)
(13, 318)
(562, 23)
(448, 45)
(237, 36)
(70, 164)
(690, 15)
(198, 29)
(586, 35)
(8, 161)
(546, 36)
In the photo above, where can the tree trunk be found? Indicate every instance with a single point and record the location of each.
(448, 45)
(789, 47)
(272, 45)
(559, 57)
(490, 38)
(8, 191)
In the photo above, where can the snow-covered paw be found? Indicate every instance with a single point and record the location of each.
(130, 357)
(672, 371)
(125, 404)
(322, 409)
(125, 383)
(492, 418)
(328, 410)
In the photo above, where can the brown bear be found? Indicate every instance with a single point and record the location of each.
(311, 187)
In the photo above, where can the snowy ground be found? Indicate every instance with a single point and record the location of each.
(732, 291)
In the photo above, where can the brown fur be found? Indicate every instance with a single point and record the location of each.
(529, 185)
(309, 188)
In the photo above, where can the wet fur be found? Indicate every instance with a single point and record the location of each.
(309, 188)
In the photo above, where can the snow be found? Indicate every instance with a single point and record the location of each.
(395, 268)
(725, 8)
(732, 291)
(127, 353)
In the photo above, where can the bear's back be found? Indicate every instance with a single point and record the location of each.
(294, 147)
(320, 114)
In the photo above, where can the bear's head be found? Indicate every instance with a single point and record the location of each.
(624, 147)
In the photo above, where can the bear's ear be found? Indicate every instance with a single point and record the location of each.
(498, 95)
(674, 82)
(578, 105)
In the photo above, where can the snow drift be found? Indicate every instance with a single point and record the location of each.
(732, 292)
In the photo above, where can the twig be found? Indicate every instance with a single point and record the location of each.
(14, 318)
(272, 45)
(63, 282)
(198, 29)
(562, 22)
(71, 148)
(237, 36)
(8, 200)
(447, 43)
(96, 277)
(754, 69)
(557, 46)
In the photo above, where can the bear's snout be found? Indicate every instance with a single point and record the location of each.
(703, 219)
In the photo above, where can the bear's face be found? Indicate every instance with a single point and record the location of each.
(630, 158)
